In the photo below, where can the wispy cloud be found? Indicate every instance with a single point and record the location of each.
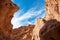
(23, 20)
(29, 14)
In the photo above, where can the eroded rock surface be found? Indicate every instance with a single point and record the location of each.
(35, 34)
(53, 9)
(46, 30)
(50, 31)
(7, 9)
(23, 33)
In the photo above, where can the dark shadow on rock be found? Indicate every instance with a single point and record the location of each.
(50, 31)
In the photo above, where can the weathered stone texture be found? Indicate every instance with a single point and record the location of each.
(7, 9)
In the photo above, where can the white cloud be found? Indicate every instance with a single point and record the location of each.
(23, 20)
(30, 13)
(18, 13)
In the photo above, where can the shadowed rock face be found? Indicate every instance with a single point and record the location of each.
(7, 9)
(23, 33)
(50, 31)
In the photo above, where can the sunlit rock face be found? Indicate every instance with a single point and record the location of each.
(7, 9)
(38, 26)
(53, 9)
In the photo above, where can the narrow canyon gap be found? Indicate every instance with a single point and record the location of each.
(29, 11)
(47, 28)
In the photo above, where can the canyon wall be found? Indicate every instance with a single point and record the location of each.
(23, 33)
(48, 28)
(38, 26)
(7, 9)
(53, 9)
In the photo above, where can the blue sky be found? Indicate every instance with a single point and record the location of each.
(29, 11)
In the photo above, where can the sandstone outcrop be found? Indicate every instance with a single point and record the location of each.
(53, 9)
(7, 9)
(38, 26)
(23, 33)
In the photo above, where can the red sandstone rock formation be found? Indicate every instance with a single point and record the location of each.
(7, 9)
(22, 33)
